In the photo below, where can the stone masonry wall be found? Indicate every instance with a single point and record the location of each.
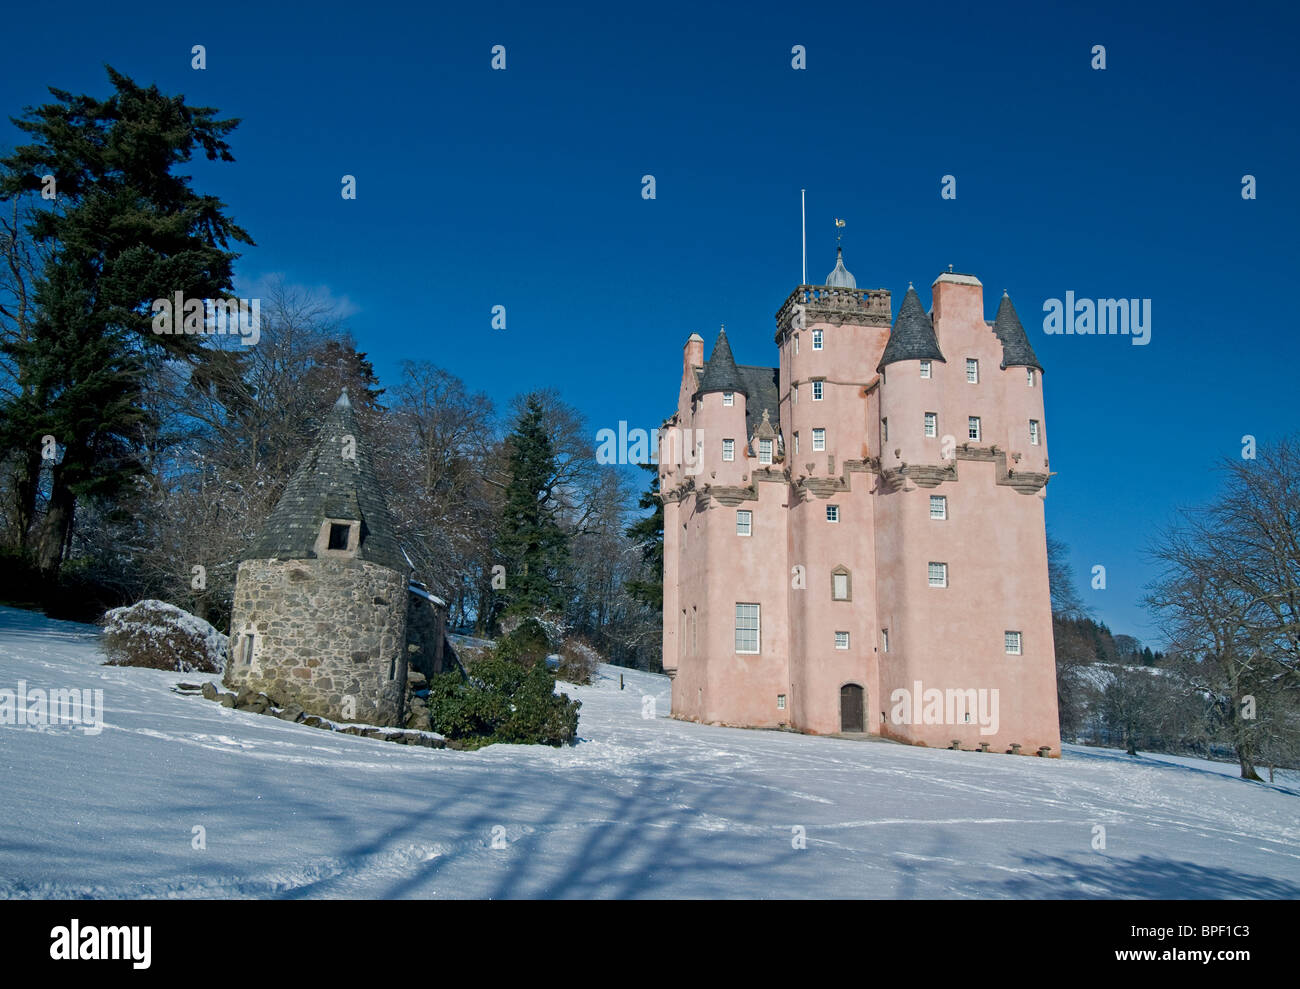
(425, 636)
(330, 635)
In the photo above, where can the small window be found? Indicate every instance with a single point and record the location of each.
(841, 640)
(931, 424)
(840, 586)
(1030, 376)
(796, 343)
(728, 398)
(884, 640)
(938, 506)
(339, 532)
(925, 369)
(817, 339)
(796, 442)
(832, 513)
(794, 391)
(728, 449)
(973, 427)
(747, 622)
(1033, 432)
(884, 430)
(780, 702)
(764, 451)
(1012, 642)
(819, 440)
(744, 523)
(938, 573)
(972, 370)
(817, 390)
(246, 650)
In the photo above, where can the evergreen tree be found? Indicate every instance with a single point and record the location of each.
(124, 231)
(531, 545)
(648, 533)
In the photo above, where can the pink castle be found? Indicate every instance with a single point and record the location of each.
(854, 540)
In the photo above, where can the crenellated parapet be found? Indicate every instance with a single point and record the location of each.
(810, 304)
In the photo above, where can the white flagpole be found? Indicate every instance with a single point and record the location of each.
(803, 218)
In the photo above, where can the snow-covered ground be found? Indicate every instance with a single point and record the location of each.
(639, 808)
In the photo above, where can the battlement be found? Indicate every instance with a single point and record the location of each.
(810, 304)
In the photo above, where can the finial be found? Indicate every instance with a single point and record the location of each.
(1004, 293)
(949, 268)
(910, 285)
(343, 402)
(839, 224)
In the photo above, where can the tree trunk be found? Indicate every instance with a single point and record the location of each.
(1247, 765)
(56, 528)
(27, 480)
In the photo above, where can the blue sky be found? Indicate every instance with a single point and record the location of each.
(522, 188)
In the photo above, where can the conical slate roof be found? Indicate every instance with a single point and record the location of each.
(841, 277)
(912, 338)
(1016, 349)
(721, 373)
(329, 485)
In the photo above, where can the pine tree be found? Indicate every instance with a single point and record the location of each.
(126, 231)
(531, 545)
(648, 533)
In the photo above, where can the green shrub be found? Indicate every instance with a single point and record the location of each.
(527, 644)
(502, 701)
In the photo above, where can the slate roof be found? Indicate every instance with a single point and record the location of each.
(326, 485)
(912, 338)
(720, 372)
(1016, 349)
(760, 387)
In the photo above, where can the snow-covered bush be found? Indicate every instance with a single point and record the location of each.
(578, 661)
(161, 636)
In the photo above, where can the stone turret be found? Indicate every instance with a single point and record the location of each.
(321, 596)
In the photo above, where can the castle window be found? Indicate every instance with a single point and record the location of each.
(819, 440)
(932, 424)
(972, 370)
(728, 398)
(339, 535)
(938, 574)
(938, 506)
(744, 523)
(796, 442)
(764, 451)
(841, 587)
(780, 702)
(817, 390)
(1030, 376)
(925, 369)
(884, 430)
(728, 449)
(246, 649)
(796, 343)
(1012, 642)
(832, 513)
(794, 391)
(884, 640)
(1033, 432)
(973, 427)
(747, 623)
(817, 339)
(841, 640)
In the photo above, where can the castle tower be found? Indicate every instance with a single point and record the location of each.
(878, 563)
(321, 597)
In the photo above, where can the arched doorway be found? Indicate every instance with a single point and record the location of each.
(852, 705)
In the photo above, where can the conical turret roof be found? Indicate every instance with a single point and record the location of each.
(330, 484)
(1016, 349)
(912, 338)
(720, 372)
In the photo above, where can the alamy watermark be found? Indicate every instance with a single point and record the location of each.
(932, 706)
(641, 446)
(62, 707)
(241, 317)
(1099, 317)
